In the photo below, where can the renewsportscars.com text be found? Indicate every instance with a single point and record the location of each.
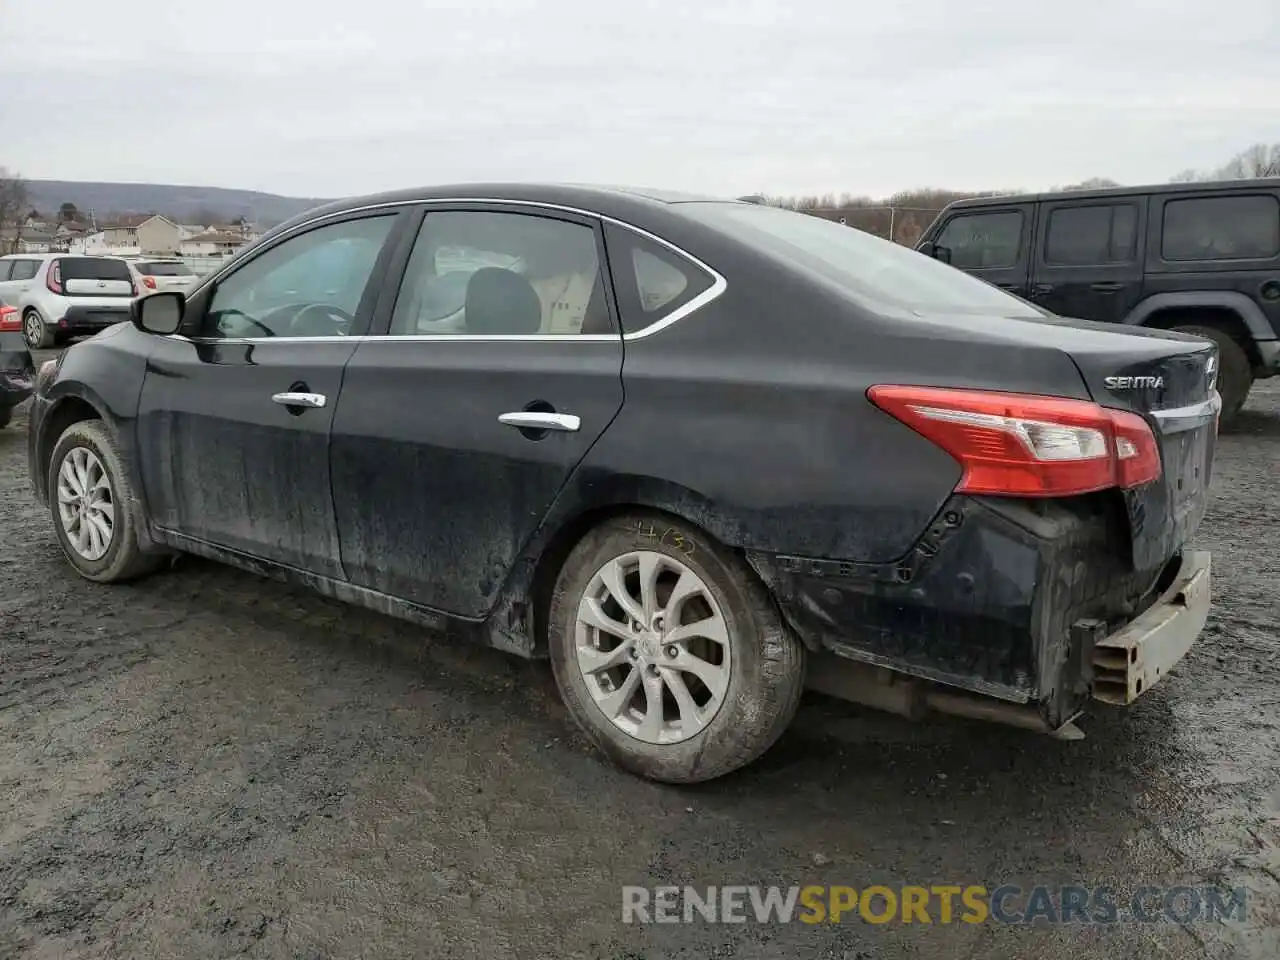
(935, 904)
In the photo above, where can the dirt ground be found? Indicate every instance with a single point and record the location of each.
(206, 765)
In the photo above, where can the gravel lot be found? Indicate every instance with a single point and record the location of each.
(208, 765)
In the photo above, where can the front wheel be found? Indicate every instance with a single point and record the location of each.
(90, 497)
(669, 652)
(36, 332)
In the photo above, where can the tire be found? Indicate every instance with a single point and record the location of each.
(1235, 372)
(764, 668)
(122, 559)
(36, 332)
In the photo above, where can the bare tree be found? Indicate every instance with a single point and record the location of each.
(13, 210)
(1259, 160)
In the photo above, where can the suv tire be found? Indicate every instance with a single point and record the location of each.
(35, 331)
(750, 696)
(1235, 372)
(88, 445)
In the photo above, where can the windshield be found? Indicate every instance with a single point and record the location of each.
(164, 269)
(868, 267)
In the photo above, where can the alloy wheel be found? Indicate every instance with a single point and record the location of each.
(653, 647)
(86, 503)
(33, 330)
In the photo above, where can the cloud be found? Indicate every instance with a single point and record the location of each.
(334, 97)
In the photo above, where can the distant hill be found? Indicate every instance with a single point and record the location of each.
(191, 204)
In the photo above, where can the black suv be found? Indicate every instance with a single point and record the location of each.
(1202, 258)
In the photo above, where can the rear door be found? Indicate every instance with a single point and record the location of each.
(498, 366)
(16, 275)
(234, 420)
(1088, 257)
(992, 243)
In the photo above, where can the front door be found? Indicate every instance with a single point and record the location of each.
(234, 418)
(1088, 258)
(499, 366)
(992, 243)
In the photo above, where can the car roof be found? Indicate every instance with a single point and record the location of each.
(632, 204)
(1216, 186)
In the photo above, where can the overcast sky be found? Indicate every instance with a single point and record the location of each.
(337, 97)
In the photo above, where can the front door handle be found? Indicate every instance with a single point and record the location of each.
(537, 420)
(1040, 289)
(299, 399)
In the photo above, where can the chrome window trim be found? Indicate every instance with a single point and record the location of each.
(713, 292)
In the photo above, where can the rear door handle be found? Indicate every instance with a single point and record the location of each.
(299, 399)
(537, 420)
(1040, 289)
(1105, 286)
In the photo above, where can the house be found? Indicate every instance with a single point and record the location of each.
(124, 232)
(190, 230)
(13, 240)
(159, 235)
(212, 243)
(66, 232)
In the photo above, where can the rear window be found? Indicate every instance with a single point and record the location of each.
(164, 269)
(866, 266)
(1222, 228)
(93, 268)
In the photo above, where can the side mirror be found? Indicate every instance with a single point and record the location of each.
(158, 313)
(936, 252)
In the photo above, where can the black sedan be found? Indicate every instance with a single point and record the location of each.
(682, 447)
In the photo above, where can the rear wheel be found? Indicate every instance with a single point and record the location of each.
(669, 653)
(35, 331)
(90, 497)
(1235, 372)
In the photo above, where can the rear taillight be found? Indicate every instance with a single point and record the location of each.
(53, 280)
(149, 283)
(1024, 445)
(10, 322)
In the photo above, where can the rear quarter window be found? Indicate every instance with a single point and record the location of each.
(1221, 228)
(24, 269)
(652, 281)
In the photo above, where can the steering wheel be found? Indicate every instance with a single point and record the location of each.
(233, 312)
(337, 320)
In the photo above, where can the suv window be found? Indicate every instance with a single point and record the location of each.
(24, 269)
(501, 274)
(93, 268)
(1092, 235)
(652, 280)
(5, 266)
(978, 240)
(309, 285)
(1221, 228)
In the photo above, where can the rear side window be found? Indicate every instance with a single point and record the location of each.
(652, 281)
(1088, 236)
(983, 240)
(1221, 228)
(164, 269)
(93, 268)
(5, 267)
(24, 269)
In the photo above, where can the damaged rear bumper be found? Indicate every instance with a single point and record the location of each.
(1037, 605)
(1129, 662)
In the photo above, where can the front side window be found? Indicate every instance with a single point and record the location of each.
(24, 269)
(983, 240)
(1221, 228)
(309, 285)
(501, 274)
(1092, 235)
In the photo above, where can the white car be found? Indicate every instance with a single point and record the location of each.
(60, 296)
(156, 274)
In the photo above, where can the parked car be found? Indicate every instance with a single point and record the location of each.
(1203, 258)
(17, 374)
(61, 296)
(680, 447)
(162, 274)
